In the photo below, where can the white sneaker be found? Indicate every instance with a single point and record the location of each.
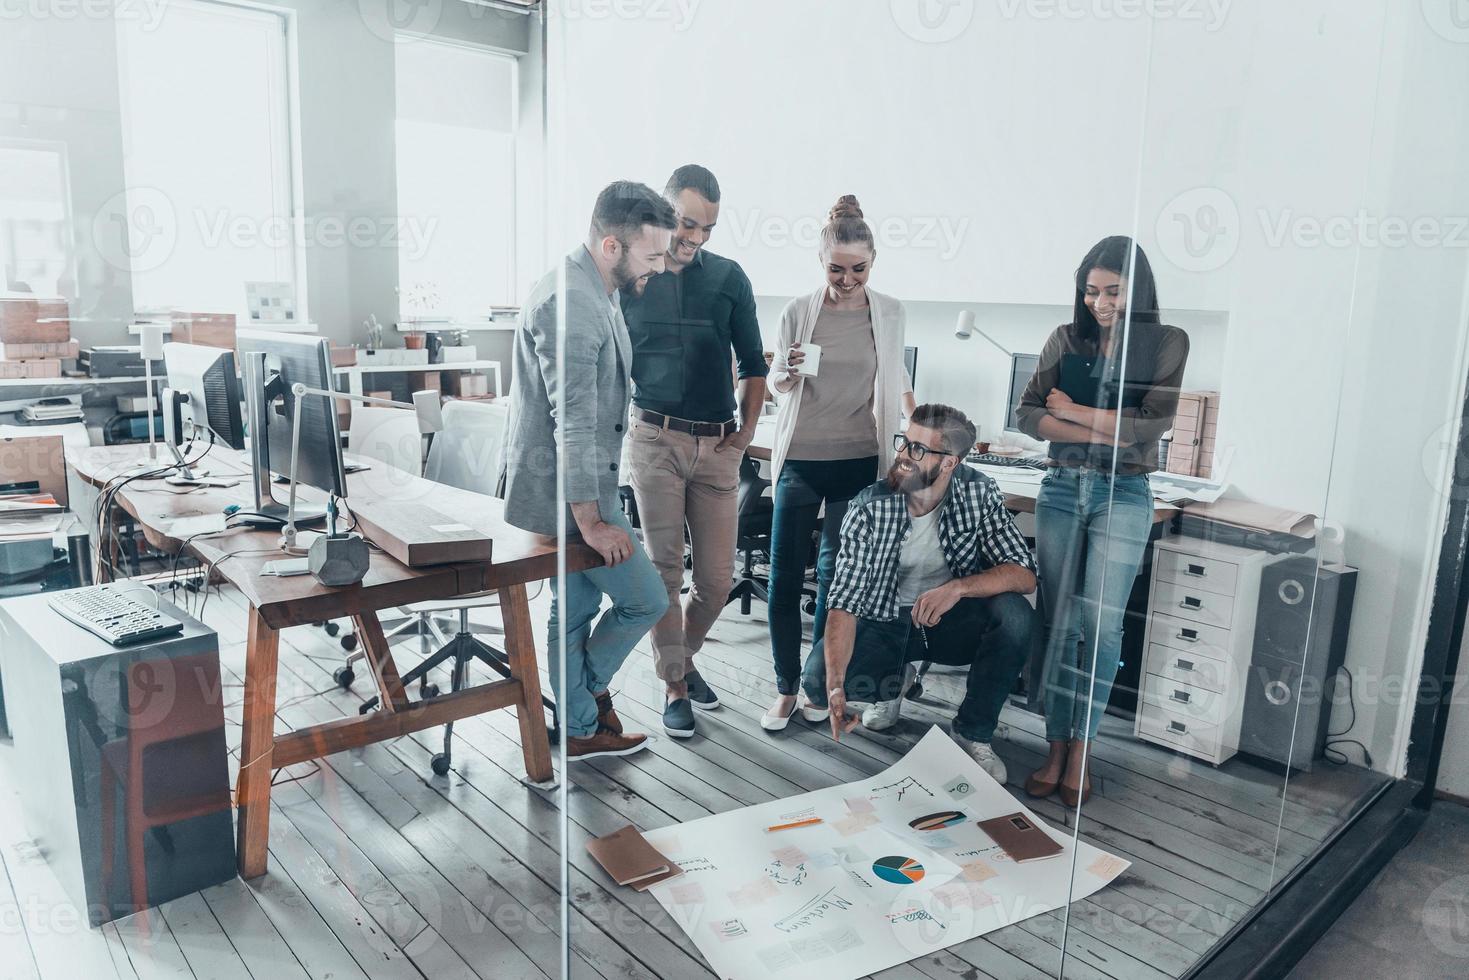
(982, 753)
(885, 714)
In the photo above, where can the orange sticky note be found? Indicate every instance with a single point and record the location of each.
(1107, 866)
(977, 871)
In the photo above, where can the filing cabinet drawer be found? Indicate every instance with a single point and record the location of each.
(1190, 637)
(1177, 730)
(1186, 667)
(1188, 701)
(1196, 605)
(1195, 572)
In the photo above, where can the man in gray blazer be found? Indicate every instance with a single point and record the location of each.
(568, 410)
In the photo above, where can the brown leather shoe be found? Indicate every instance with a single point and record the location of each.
(604, 743)
(606, 715)
(1040, 788)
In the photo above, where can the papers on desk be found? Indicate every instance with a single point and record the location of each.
(1177, 489)
(27, 526)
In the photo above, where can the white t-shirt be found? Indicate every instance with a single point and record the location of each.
(921, 564)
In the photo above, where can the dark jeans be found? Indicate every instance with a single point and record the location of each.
(799, 492)
(989, 636)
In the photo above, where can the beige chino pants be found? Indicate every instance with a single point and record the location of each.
(680, 481)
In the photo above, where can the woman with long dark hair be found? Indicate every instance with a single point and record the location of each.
(1103, 394)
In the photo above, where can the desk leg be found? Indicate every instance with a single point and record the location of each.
(520, 645)
(379, 659)
(257, 745)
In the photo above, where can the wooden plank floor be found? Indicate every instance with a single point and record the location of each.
(381, 870)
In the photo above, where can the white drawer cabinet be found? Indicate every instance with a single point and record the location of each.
(1201, 629)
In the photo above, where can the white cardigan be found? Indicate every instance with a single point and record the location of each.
(797, 323)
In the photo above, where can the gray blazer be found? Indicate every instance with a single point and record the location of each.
(584, 412)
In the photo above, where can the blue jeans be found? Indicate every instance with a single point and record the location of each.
(989, 636)
(1091, 529)
(594, 655)
(799, 491)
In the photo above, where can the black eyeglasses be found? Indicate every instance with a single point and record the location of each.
(915, 450)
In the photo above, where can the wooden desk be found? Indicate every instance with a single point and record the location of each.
(278, 603)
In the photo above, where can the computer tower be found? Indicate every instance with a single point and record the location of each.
(1300, 642)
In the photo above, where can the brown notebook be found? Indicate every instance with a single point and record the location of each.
(628, 857)
(1021, 837)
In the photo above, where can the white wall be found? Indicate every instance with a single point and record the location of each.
(1222, 144)
(59, 79)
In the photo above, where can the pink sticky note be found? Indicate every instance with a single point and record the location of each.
(953, 895)
(1107, 866)
(860, 804)
(790, 856)
(847, 826)
(689, 893)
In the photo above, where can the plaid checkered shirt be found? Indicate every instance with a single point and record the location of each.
(975, 533)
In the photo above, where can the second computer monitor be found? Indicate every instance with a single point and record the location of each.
(292, 359)
(1022, 369)
(205, 391)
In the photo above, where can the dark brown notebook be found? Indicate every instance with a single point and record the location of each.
(628, 857)
(1021, 837)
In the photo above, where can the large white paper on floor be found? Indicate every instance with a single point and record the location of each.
(864, 889)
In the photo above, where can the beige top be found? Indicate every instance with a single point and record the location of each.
(836, 420)
(796, 325)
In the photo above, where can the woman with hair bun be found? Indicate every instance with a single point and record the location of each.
(834, 430)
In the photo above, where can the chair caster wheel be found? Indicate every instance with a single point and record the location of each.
(332, 629)
(916, 691)
(365, 707)
(349, 642)
(809, 607)
(344, 677)
(440, 764)
(429, 691)
(554, 734)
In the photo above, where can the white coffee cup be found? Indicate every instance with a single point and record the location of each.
(811, 365)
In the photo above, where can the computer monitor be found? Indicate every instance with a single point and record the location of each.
(1022, 369)
(203, 389)
(910, 363)
(274, 363)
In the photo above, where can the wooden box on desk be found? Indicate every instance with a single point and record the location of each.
(66, 350)
(205, 329)
(417, 535)
(463, 384)
(31, 321)
(30, 369)
(78, 709)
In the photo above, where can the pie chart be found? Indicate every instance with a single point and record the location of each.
(936, 821)
(898, 870)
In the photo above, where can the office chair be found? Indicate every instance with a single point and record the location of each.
(756, 510)
(465, 455)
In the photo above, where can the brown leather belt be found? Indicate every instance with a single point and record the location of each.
(720, 429)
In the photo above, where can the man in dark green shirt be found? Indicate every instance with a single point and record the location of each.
(693, 330)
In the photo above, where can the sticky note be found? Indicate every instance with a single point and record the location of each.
(790, 856)
(689, 893)
(1107, 866)
(860, 804)
(977, 871)
(959, 787)
(822, 859)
